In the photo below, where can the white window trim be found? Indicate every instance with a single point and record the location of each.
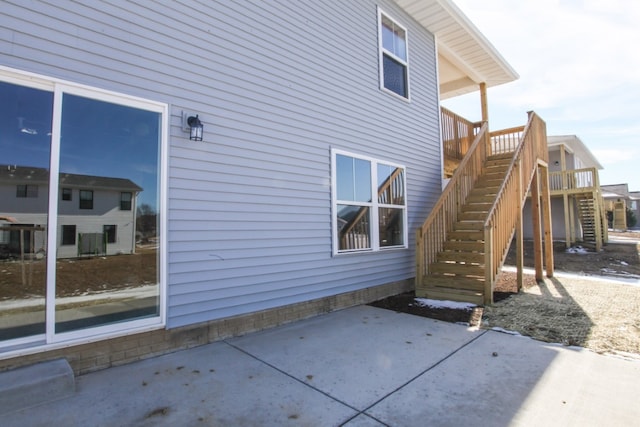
(382, 51)
(374, 205)
(49, 340)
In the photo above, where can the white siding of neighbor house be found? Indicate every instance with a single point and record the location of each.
(277, 84)
(106, 211)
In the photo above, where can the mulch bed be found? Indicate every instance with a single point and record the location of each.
(506, 286)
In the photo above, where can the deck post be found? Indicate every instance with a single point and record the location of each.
(537, 228)
(546, 219)
(568, 225)
(484, 106)
(519, 230)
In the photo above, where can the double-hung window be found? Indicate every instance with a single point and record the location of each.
(125, 200)
(394, 56)
(86, 199)
(369, 204)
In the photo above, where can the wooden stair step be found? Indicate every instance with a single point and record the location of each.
(489, 181)
(468, 225)
(476, 258)
(462, 283)
(501, 156)
(466, 235)
(467, 246)
(477, 207)
(472, 216)
(439, 293)
(481, 199)
(457, 269)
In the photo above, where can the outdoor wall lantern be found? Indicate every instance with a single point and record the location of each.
(195, 128)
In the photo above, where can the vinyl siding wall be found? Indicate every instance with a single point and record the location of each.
(277, 84)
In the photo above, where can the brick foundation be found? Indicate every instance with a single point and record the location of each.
(103, 354)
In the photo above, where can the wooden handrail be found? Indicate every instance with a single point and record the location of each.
(430, 237)
(501, 219)
(457, 134)
(574, 179)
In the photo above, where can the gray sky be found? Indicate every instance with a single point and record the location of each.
(579, 67)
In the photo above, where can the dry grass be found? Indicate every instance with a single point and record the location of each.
(598, 314)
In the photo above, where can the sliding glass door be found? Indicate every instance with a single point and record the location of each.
(80, 202)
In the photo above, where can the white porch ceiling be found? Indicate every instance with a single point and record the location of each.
(465, 57)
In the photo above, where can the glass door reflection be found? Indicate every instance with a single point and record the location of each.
(107, 256)
(25, 147)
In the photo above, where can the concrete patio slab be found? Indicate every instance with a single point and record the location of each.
(362, 366)
(359, 355)
(504, 380)
(209, 385)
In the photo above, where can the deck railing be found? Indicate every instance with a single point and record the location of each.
(573, 181)
(506, 140)
(501, 220)
(432, 235)
(457, 134)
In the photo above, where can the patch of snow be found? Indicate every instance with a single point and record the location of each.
(577, 250)
(425, 302)
(623, 263)
(506, 331)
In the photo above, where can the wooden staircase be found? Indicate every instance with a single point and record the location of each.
(458, 273)
(587, 217)
(464, 241)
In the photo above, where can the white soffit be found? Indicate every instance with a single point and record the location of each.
(466, 58)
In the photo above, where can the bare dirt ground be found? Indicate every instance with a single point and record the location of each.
(76, 276)
(588, 308)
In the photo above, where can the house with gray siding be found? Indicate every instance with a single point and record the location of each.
(320, 155)
(577, 209)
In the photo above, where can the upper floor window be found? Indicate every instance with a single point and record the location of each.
(125, 200)
(369, 204)
(26, 190)
(394, 57)
(66, 194)
(86, 199)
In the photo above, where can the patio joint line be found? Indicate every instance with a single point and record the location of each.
(294, 378)
(423, 372)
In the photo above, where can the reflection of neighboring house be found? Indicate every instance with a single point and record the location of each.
(96, 214)
(618, 199)
(576, 200)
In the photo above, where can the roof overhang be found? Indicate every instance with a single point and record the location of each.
(465, 57)
(574, 145)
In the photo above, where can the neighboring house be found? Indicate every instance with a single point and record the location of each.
(634, 205)
(97, 215)
(577, 208)
(618, 199)
(320, 156)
